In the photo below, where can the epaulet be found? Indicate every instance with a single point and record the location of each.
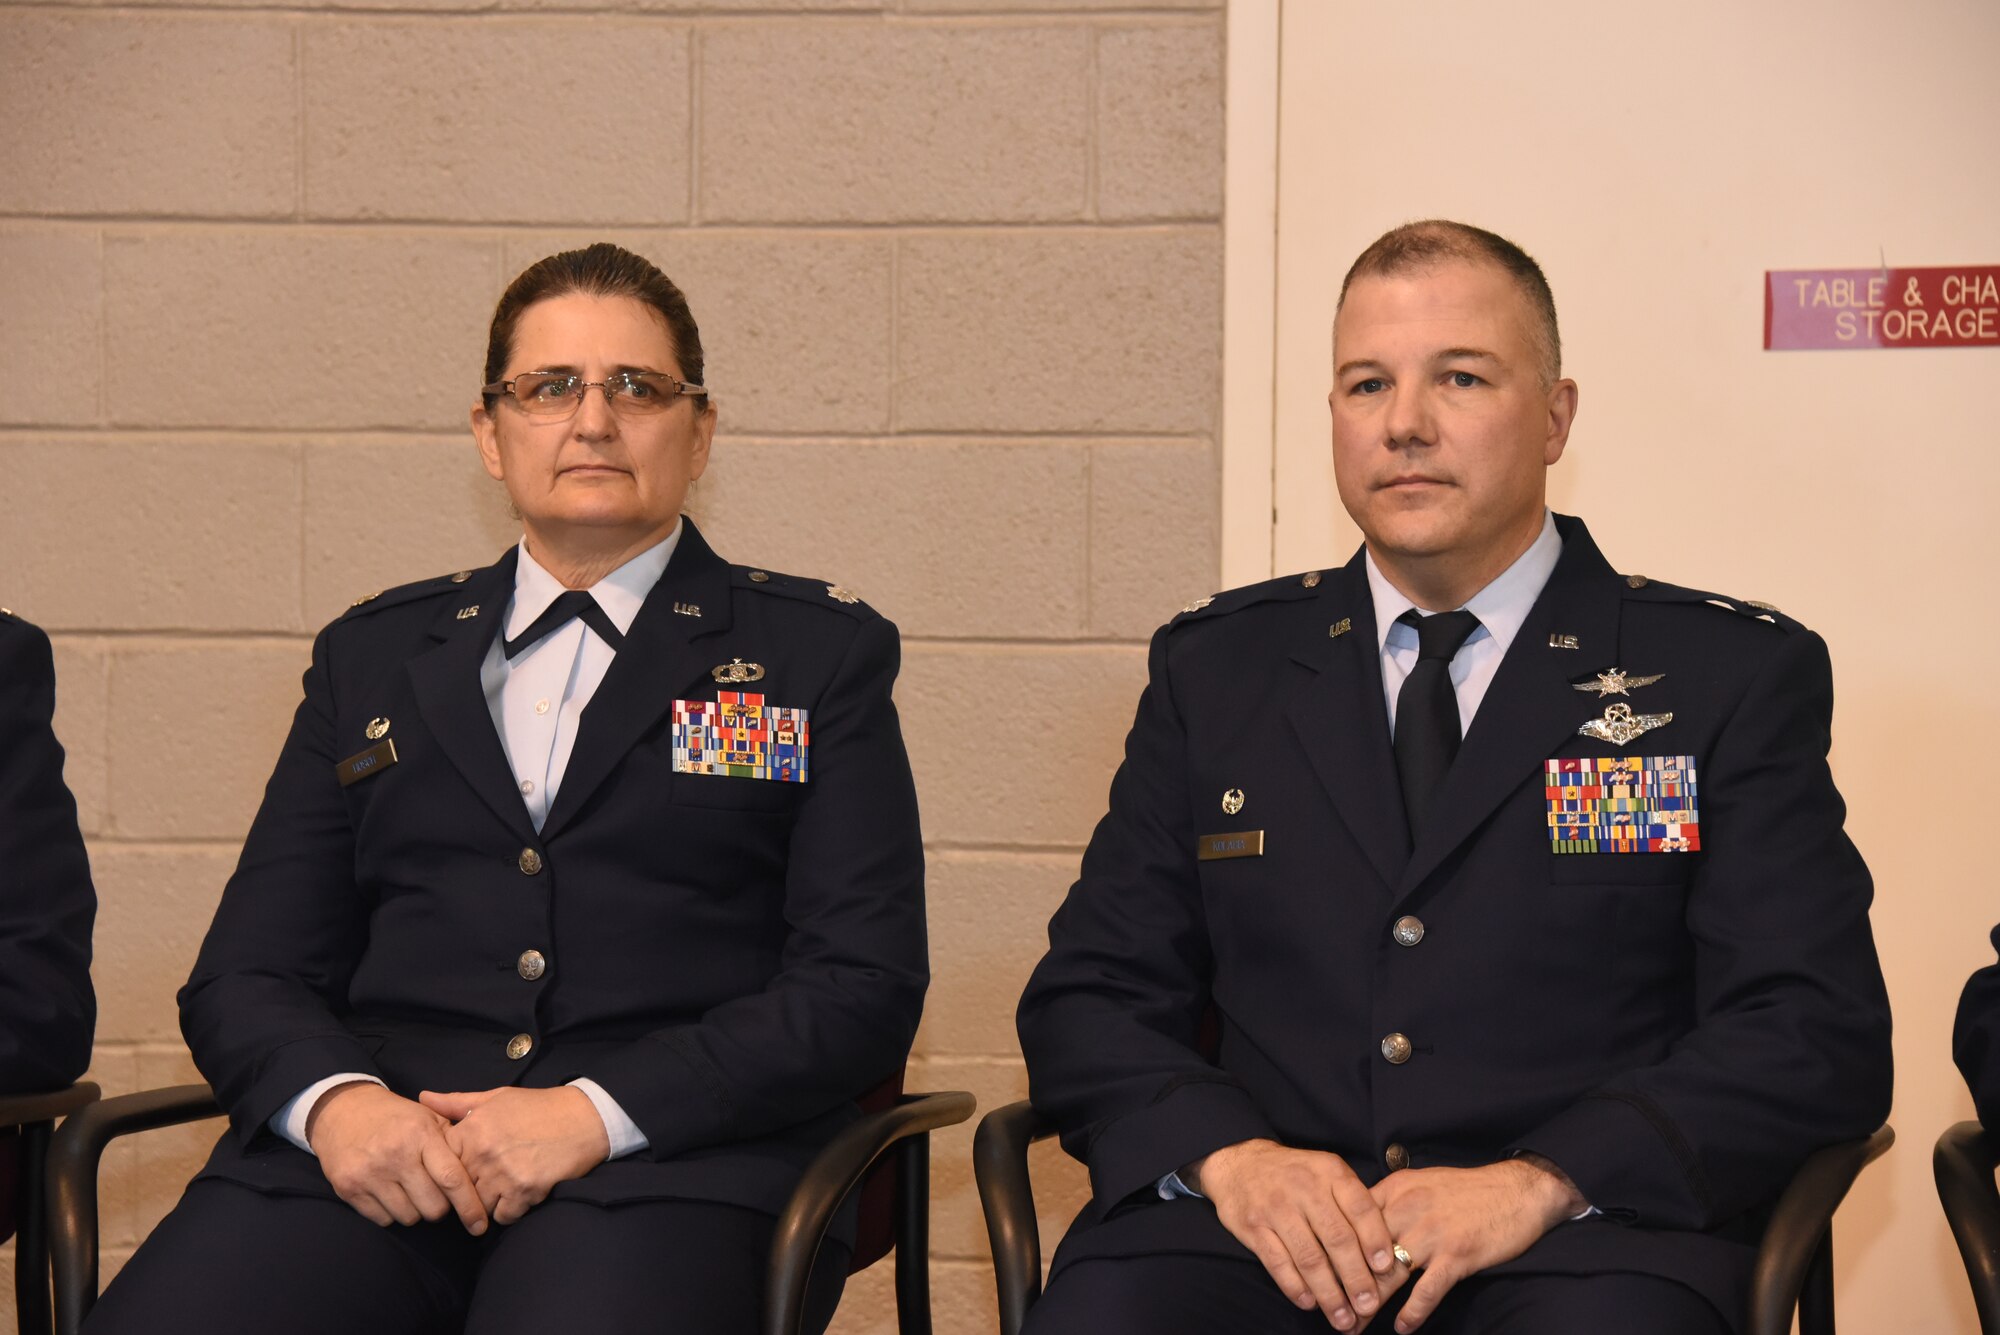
(1643, 589)
(1283, 589)
(405, 593)
(816, 591)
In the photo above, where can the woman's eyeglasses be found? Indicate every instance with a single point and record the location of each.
(558, 394)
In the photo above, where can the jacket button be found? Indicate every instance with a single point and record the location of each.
(532, 964)
(518, 1045)
(1396, 1048)
(531, 862)
(1396, 1157)
(1409, 930)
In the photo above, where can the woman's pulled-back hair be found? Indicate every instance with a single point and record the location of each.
(602, 270)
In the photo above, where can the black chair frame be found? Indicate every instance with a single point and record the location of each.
(1963, 1164)
(902, 1130)
(1794, 1268)
(35, 1115)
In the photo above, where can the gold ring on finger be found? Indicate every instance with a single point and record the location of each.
(1402, 1254)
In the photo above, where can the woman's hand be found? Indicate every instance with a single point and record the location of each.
(387, 1157)
(518, 1143)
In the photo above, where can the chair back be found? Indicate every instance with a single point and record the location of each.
(875, 1227)
(10, 1180)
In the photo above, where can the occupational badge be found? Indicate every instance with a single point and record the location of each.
(1616, 681)
(1620, 725)
(1622, 804)
(1232, 801)
(735, 672)
(738, 736)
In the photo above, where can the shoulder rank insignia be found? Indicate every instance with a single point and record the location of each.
(1617, 682)
(840, 595)
(1620, 725)
(735, 672)
(1199, 603)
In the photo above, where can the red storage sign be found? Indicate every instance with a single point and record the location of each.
(1882, 308)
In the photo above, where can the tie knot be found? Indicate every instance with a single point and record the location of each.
(1440, 636)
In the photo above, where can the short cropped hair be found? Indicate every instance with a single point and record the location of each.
(602, 270)
(1435, 241)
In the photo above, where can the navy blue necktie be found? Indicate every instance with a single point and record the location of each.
(1427, 733)
(565, 609)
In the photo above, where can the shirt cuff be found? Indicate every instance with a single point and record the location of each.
(1172, 1188)
(290, 1120)
(620, 1130)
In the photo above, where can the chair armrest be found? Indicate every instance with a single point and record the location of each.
(46, 1106)
(833, 1173)
(1000, 1165)
(1963, 1164)
(1798, 1228)
(74, 1156)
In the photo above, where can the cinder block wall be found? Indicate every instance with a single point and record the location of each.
(958, 267)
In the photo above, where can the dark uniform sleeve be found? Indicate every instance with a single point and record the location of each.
(1789, 1048)
(258, 1011)
(842, 1010)
(1975, 1040)
(47, 1008)
(1110, 1022)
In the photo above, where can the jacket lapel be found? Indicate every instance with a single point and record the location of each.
(657, 662)
(1340, 716)
(1531, 708)
(445, 680)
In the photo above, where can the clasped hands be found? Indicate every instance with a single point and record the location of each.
(491, 1154)
(1328, 1240)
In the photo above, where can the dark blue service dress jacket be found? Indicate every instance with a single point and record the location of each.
(733, 959)
(1975, 1040)
(1676, 1030)
(47, 1008)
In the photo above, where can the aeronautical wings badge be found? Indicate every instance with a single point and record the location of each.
(1620, 725)
(1616, 682)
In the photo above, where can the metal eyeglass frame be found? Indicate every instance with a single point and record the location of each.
(505, 389)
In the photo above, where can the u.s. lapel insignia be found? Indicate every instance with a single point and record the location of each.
(1560, 641)
(1232, 801)
(735, 672)
(1620, 725)
(688, 609)
(1340, 627)
(467, 613)
(1616, 681)
(377, 729)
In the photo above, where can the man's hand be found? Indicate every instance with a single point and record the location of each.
(518, 1143)
(387, 1157)
(1456, 1222)
(1309, 1219)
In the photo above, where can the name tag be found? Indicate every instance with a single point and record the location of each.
(1238, 844)
(372, 761)
(738, 736)
(1623, 804)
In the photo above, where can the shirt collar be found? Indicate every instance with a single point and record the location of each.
(619, 593)
(1502, 606)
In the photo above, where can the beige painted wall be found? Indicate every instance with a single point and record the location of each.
(958, 267)
(1657, 161)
